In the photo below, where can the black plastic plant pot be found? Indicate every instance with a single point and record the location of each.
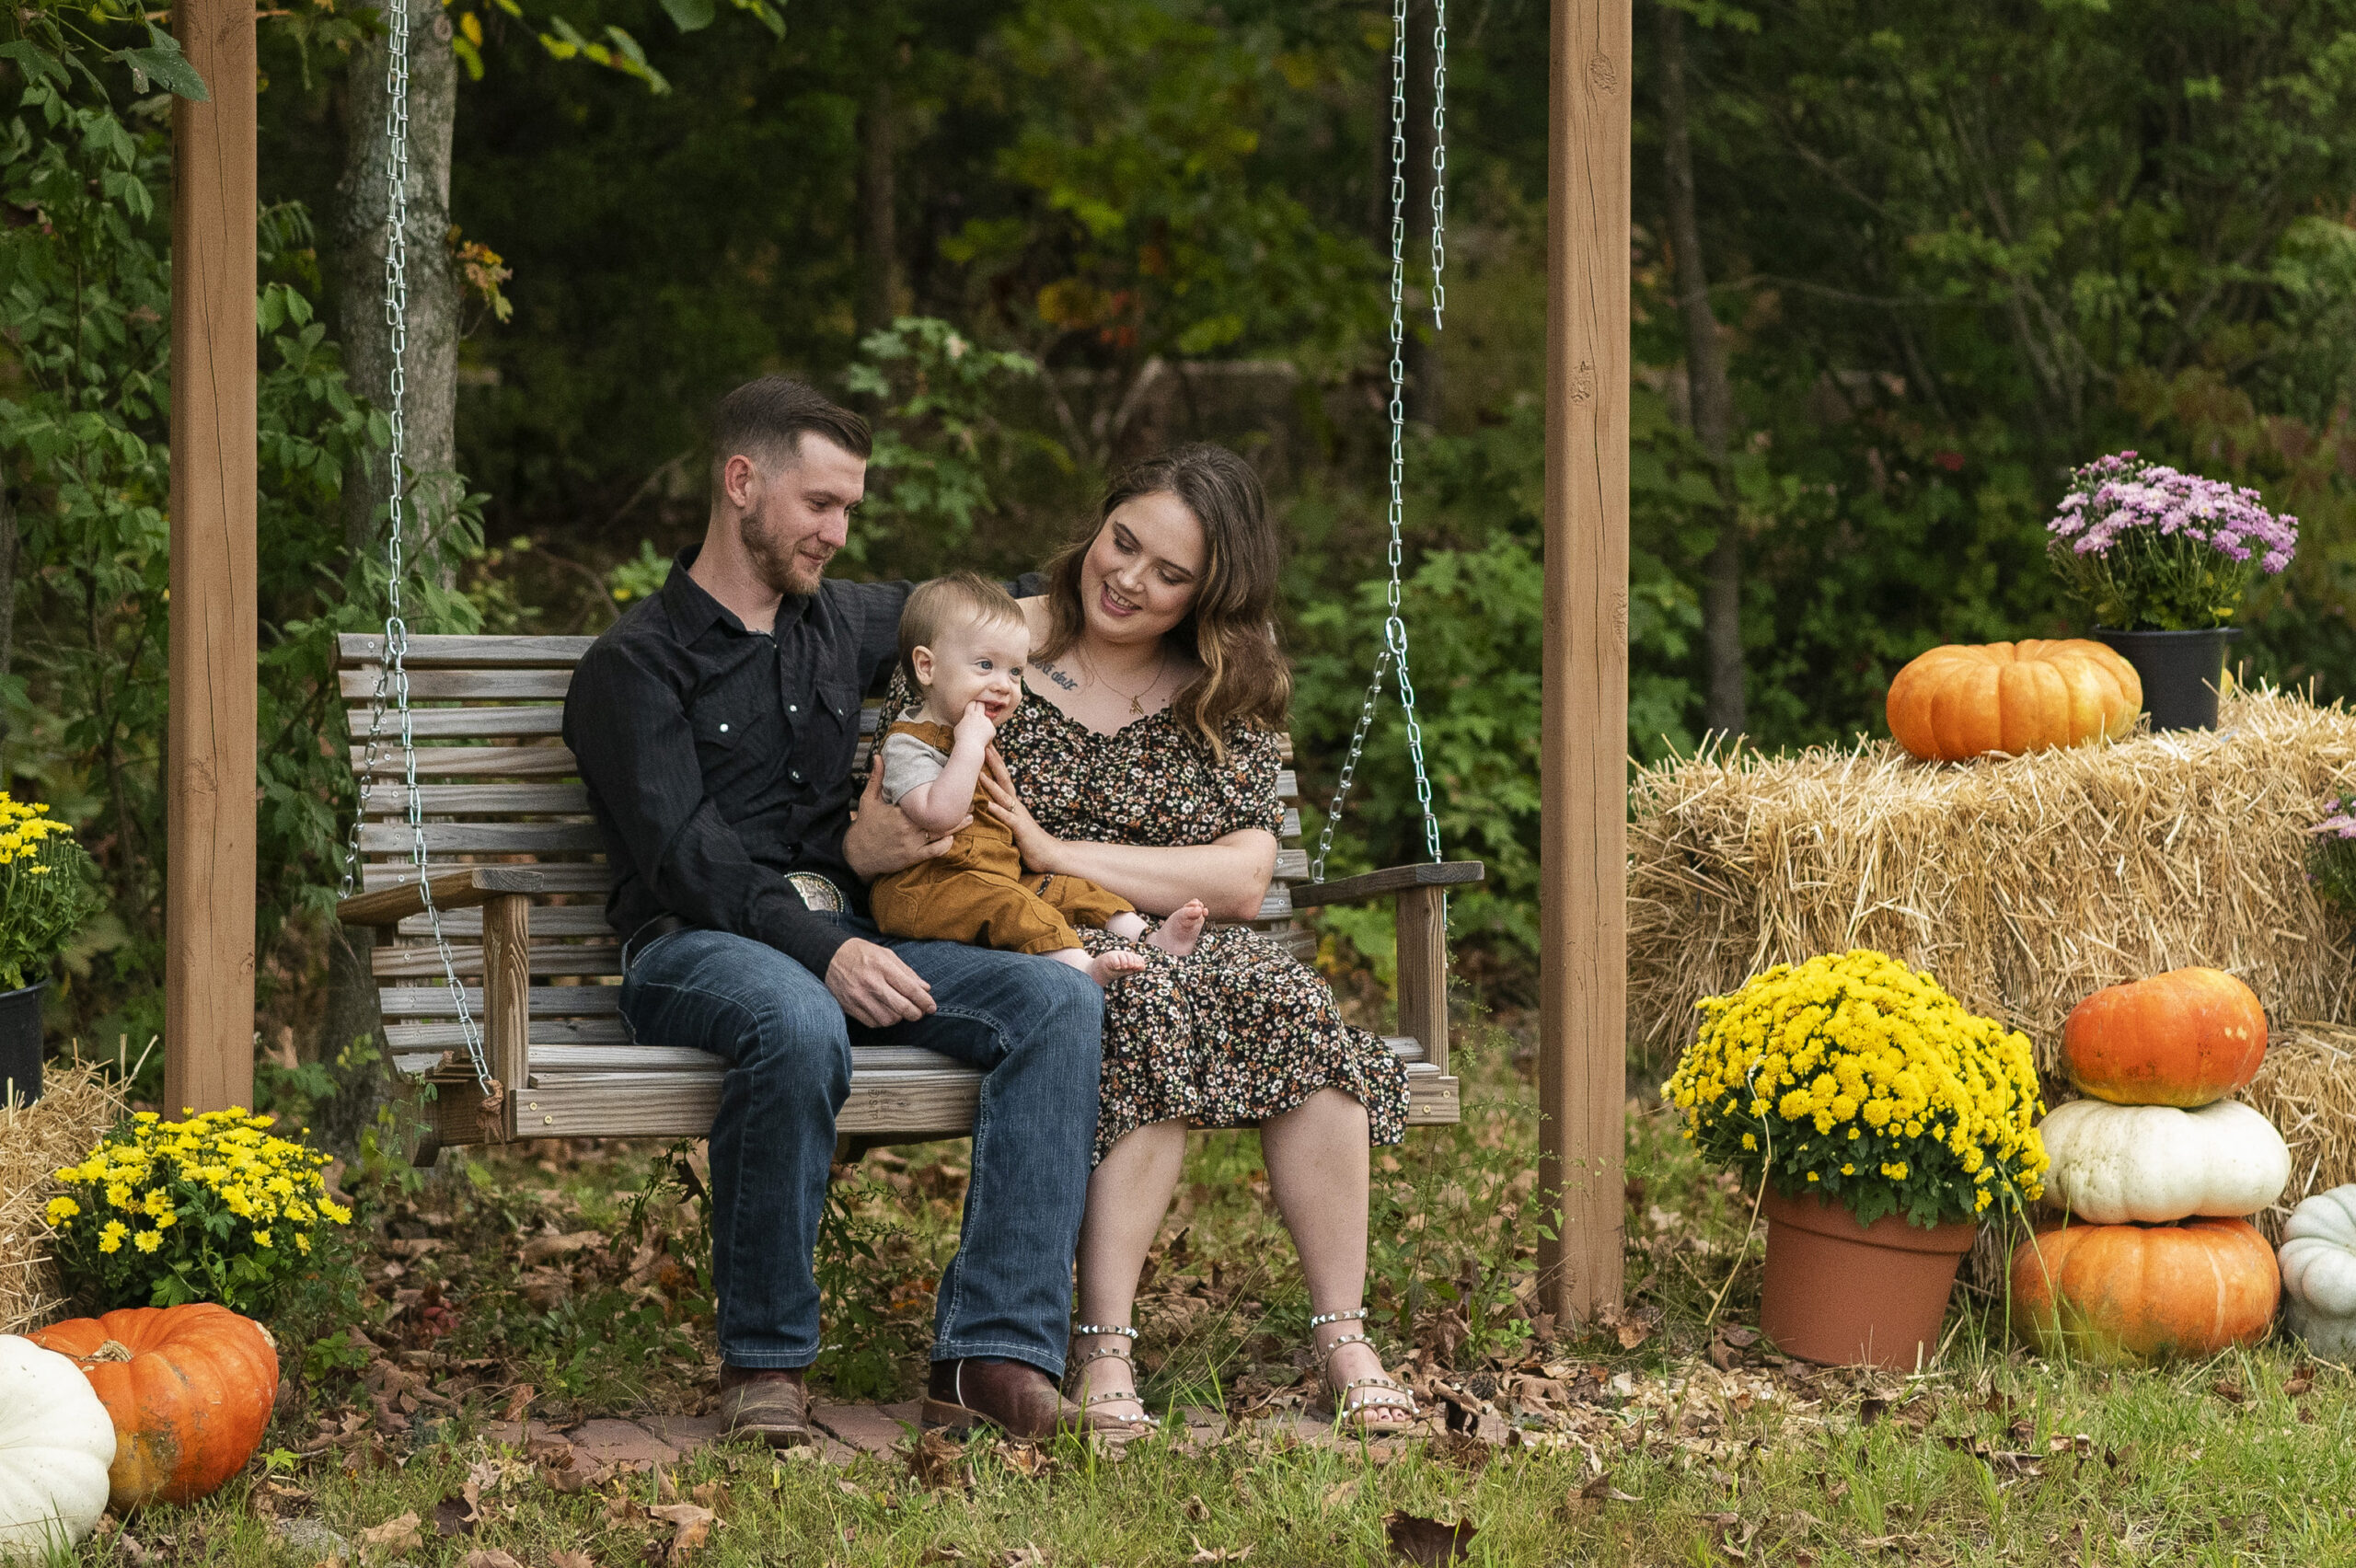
(20, 1043)
(2181, 671)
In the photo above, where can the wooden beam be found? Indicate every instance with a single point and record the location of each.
(209, 865)
(1583, 840)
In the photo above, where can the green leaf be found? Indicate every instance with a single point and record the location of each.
(690, 15)
(164, 65)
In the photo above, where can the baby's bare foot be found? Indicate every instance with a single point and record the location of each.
(1107, 967)
(1179, 933)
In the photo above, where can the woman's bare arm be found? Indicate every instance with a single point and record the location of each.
(1229, 875)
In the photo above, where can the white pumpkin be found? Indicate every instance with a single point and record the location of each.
(2156, 1163)
(2318, 1257)
(56, 1443)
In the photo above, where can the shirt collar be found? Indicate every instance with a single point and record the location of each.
(693, 611)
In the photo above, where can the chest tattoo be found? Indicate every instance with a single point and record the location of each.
(1055, 674)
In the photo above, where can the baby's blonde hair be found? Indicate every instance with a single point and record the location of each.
(961, 595)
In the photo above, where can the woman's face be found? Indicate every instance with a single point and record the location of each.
(1139, 578)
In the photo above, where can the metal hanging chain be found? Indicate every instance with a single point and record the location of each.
(392, 673)
(1394, 627)
(1439, 160)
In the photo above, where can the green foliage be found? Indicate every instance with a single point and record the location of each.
(865, 1343)
(48, 892)
(942, 448)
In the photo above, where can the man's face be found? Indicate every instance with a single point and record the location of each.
(797, 514)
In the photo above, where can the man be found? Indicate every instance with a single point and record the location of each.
(716, 724)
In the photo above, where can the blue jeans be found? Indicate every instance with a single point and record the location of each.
(1031, 1024)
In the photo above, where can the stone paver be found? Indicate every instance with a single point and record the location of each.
(685, 1433)
(620, 1443)
(873, 1429)
(518, 1434)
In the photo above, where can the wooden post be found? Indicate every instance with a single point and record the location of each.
(208, 868)
(1583, 977)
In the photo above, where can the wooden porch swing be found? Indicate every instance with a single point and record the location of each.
(527, 921)
(494, 818)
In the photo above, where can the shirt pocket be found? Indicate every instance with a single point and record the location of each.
(730, 737)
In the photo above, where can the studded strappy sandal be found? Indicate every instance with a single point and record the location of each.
(1140, 1423)
(1388, 1393)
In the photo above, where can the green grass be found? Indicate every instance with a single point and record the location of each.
(1656, 1457)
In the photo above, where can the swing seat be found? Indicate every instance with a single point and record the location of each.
(519, 879)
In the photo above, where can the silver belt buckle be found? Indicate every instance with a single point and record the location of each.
(816, 892)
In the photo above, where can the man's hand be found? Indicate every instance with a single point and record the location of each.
(875, 987)
(974, 727)
(881, 839)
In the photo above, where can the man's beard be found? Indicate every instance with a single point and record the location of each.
(785, 570)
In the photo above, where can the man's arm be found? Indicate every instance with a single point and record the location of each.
(637, 753)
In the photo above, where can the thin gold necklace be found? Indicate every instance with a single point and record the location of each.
(1136, 698)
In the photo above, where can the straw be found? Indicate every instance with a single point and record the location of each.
(79, 1104)
(2024, 884)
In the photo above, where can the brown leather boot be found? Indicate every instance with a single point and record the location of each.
(1020, 1400)
(769, 1403)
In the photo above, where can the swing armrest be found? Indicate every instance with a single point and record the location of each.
(452, 890)
(1395, 879)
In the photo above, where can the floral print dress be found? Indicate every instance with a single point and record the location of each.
(1238, 1030)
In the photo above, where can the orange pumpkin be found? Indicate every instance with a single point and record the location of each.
(1964, 701)
(2145, 1292)
(2186, 1038)
(189, 1389)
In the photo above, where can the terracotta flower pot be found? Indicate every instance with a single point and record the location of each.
(1848, 1295)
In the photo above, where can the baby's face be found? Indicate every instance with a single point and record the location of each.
(978, 661)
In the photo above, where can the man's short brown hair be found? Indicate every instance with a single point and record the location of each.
(766, 418)
(961, 595)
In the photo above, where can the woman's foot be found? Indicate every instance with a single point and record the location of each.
(1362, 1395)
(1104, 1379)
(1182, 930)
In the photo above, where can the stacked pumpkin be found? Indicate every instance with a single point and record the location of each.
(2157, 1170)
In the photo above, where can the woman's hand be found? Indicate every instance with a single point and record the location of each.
(881, 839)
(1041, 851)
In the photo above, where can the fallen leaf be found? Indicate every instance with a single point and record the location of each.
(1633, 1329)
(1600, 1490)
(1870, 1410)
(1223, 1555)
(546, 1249)
(2301, 1382)
(393, 1535)
(1428, 1542)
(691, 1526)
(519, 1402)
(490, 1557)
(569, 1560)
(1027, 1457)
(454, 1516)
(2230, 1391)
(1338, 1495)
(938, 1462)
(942, 1555)
(1738, 1337)
(711, 1493)
(1020, 1557)
(1196, 1508)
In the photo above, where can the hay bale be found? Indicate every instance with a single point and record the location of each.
(2306, 1086)
(2024, 884)
(79, 1104)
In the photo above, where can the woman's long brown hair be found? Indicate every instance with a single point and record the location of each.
(1230, 631)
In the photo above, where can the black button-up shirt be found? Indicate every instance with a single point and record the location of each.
(719, 758)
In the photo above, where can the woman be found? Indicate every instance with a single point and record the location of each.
(1146, 761)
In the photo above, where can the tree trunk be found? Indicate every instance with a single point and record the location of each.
(352, 1035)
(429, 365)
(1708, 392)
(880, 289)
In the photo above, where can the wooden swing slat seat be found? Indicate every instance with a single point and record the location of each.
(520, 881)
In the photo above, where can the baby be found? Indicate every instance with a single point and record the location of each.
(964, 643)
